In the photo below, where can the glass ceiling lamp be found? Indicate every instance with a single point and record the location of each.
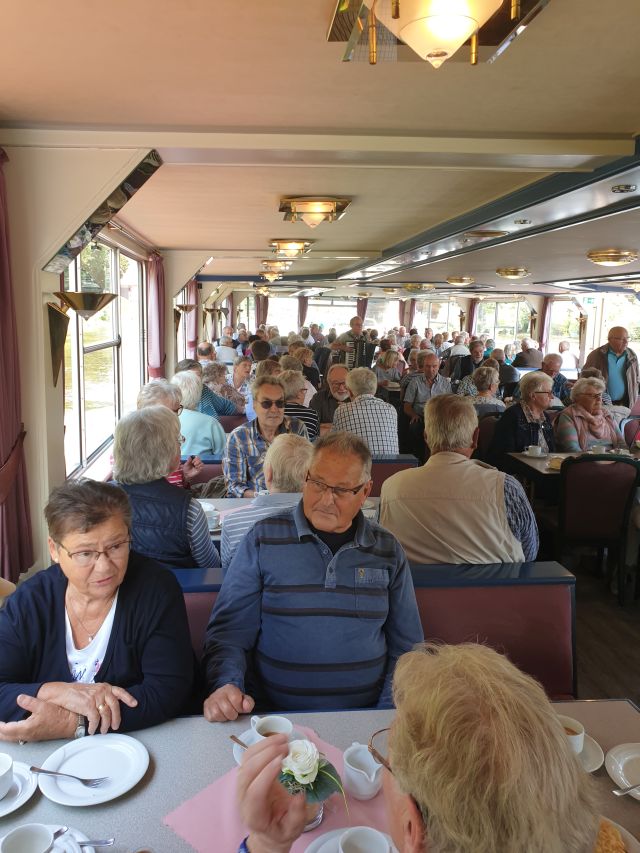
(460, 280)
(271, 276)
(612, 257)
(290, 248)
(276, 266)
(436, 29)
(513, 273)
(390, 291)
(313, 210)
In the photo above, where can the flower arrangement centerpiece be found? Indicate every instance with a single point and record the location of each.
(306, 770)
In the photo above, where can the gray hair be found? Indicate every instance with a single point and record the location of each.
(289, 457)
(80, 505)
(484, 377)
(552, 356)
(449, 422)
(459, 339)
(265, 380)
(290, 362)
(414, 352)
(534, 381)
(226, 341)
(591, 373)
(216, 372)
(293, 382)
(362, 380)
(241, 359)
(583, 384)
(145, 445)
(422, 354)
(268, 367)
(190, 384)
(528, 343)
(158, 392)
(345, 444)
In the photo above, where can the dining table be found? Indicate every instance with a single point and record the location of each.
(188, 754)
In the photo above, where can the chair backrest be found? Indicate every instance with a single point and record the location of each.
(630, 429)
(199, 606)
(486, 429)
(596, 493)
(533, 625)
(230, 422)
(552, 414)
(384, 467)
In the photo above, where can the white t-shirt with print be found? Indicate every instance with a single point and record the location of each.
(84, 664)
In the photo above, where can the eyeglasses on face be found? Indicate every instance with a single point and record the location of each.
(179, 410)
(545, 393)
(84, 559)
(267, 404)
(337, 383)
(381, 737)
(181, 440)
(320, 488)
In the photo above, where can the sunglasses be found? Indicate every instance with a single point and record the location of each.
(267, 404)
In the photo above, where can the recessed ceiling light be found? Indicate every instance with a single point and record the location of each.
(313, 210)
(624, 188)
(513, 272)
(460, 280)
(612, 257)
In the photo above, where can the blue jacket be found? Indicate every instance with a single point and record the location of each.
(159, 527)
(322, 631)
(149, 651)
(513, 433)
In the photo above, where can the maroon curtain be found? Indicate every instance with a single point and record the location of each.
(232, 320)
(361, 308)
(155, 317)
(471, 317)
(412, 314)
(401, 312)
(303, 305)
(545, 322)
(16, 544)
(192, 318)
(262, 310)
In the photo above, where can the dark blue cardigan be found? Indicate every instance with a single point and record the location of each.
(149, 651)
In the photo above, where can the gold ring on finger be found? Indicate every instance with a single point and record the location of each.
(101, 707)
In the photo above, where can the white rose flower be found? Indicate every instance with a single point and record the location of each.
(302, 761)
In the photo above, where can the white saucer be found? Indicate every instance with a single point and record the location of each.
(623, 765)
(249, 737)
(67, 842)
(120, 757)
(592, 756)
(328, 842)
(536, 456)
(22, 788)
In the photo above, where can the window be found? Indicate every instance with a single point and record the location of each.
(505, 322)
(564, 325)
(441, 316)
(104, 359)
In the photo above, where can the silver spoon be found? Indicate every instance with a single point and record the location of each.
(621, 792)
(105, 842)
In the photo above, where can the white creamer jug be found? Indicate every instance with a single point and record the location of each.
(362, 773)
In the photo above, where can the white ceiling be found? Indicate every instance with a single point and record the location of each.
(283, 115)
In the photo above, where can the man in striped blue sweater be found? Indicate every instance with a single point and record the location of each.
(317, 604)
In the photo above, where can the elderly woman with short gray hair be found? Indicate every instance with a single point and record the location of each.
(295, 389)
(202, 433)
(526, 422)
(586, 422)
(486, 380)
(168, 524)
(214, 376)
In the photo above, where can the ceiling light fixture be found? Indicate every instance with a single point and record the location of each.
(513, 273)
(522, 221)
(271, 276)
(460, 280)
(313, 210)
(483, 234)
(364, 294)
(624, 188)
(276, 266)
(290, 248)
(633, 285)
(414, 288)
(612, 257)
(390, 291)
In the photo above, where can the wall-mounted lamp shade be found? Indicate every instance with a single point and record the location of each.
(84, 303)
(58, 325)
(185, 308)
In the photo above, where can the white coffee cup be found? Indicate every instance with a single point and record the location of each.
(6, 774)
(30, 838)
(600, 448)
(363, 839)
(574, 730)
(271, 725)
(533, 450)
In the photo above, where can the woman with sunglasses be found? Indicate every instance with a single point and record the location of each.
(586, 422)
(243, 460)
(476, 761)
(99, 641)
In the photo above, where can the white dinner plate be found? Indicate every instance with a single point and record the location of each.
(67, 842)
(328, 843)
(249, 737)
(623, 765)
(22, 788)
(592, 756)
(120, 757)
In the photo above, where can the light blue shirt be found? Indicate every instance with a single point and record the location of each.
(617, 381)
(236, 525)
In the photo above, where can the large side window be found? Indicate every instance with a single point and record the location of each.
(104, 355)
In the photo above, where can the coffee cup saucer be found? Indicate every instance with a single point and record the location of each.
(328, 842)
(592, 756)
(22, 788)
(249, 737)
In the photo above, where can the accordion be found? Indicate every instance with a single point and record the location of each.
(360, 354)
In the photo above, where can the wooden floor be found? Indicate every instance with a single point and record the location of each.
(608, 641)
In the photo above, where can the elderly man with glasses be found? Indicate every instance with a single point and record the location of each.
(317, 604)
(243, 460)
(333, 393)
(619, 367)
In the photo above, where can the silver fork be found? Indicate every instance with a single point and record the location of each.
(88, 783)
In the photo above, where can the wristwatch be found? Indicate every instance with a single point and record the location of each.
(81, 728)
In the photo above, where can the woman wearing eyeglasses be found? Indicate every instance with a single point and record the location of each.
(99, 641)
(526, 422)
(476, 761)
(586, 422)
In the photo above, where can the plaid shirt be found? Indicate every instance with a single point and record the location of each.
(244, 455)
(373, 420)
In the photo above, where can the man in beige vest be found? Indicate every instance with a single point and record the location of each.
(455, 509)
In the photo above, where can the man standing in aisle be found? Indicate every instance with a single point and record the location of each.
(352, 346)
(619, 367)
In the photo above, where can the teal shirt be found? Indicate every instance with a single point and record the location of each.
(617, 382)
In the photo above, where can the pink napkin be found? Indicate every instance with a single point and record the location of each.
(210, 822)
